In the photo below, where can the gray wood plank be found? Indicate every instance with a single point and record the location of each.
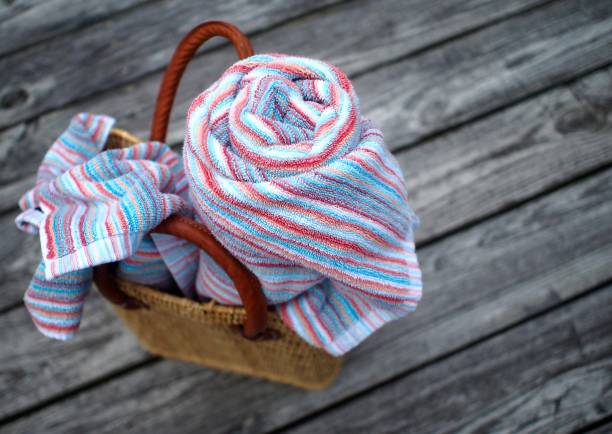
(10, 193)
(531, 147)
(12, 8)
(576, 39)
(20, 254)
(23, 23)
(604, 428)
(26, 355)
(489, 69)
(125, 49)
(477, 281)
(550, 375)
(116, 51)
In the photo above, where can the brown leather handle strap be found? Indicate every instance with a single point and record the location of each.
(103, 277)
(182, 55)
(246, 283)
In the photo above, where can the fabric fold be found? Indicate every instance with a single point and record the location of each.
(92, 207)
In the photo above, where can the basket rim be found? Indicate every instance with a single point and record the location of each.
(157, 300)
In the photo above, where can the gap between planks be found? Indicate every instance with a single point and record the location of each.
(447, 356)
(68, 393)
(53, 28)
(287, 16)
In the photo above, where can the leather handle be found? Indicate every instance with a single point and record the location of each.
(246, 283)
(182, 55)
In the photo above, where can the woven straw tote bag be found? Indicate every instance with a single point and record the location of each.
(250, 339)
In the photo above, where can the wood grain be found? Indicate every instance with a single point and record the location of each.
(117, 51)
(575, 39)
(27, 356)
(489, 69)
(19, 256)
(505, 158)
(125, 48)
(23, 23)
(477, 282)
(9, 9)
(604, 428)
(12, 192)
(550, 375)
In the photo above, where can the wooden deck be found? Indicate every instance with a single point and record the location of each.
(500, 113)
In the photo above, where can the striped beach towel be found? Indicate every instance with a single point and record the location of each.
(91, 207)
(289, 177)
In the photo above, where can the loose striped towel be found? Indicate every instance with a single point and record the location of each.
(288, 175)
(92, 207)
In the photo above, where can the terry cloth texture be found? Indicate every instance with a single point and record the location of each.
(92, 207)
(289, 177)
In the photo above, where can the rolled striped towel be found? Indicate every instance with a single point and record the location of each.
(93, 207)
(288, 175)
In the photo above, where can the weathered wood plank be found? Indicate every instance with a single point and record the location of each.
(477, 281)
(11, 9)
(10, 194)
(23, 23)
(19, 255)
(550, 375)
(27, 355)
(489, 69)
(489, 165)
(575, 40)
(56, 73)
(605, 428)
(117, 51)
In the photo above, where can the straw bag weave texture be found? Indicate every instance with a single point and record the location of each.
(250, 339)
(209, 334)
